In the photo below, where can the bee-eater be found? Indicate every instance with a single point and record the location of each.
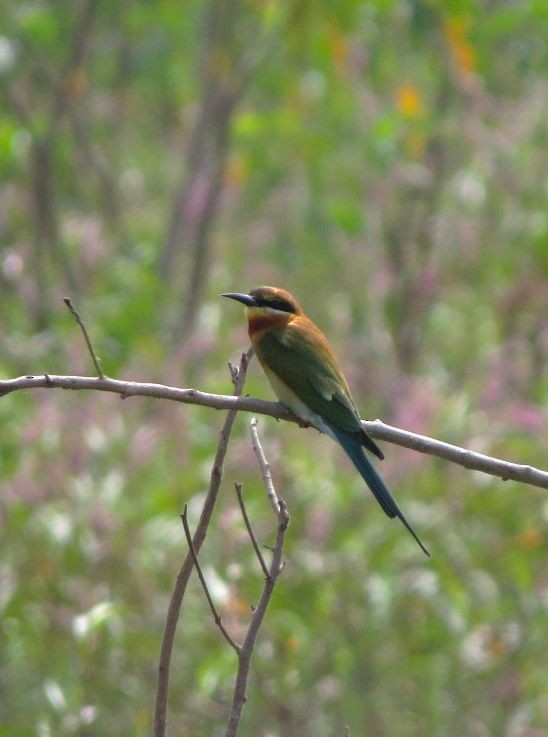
(306, 376)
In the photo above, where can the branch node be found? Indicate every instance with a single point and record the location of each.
(234, 373)
(283, 515)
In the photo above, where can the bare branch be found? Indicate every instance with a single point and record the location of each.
(216, 615)
(276, 567)
(250, 530)
(504, 470)
(179, 589)
(264, 466)
(94, 357)
(377, 429)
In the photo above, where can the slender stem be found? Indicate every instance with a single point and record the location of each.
(246, 652)
(263, 465)
(216, 615)
(250, 530)
(94, 357)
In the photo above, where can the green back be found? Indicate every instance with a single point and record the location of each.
(306, 364)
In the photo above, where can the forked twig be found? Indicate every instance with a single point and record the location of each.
(94, 357)
(276, 567)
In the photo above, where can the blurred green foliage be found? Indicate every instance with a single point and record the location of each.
(387, 162)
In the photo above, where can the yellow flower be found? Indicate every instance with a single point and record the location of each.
(409, 101)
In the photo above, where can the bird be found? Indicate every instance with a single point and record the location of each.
(306, 376)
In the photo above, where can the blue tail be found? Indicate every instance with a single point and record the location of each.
(353, 447)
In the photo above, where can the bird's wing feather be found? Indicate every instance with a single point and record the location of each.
(301, 357)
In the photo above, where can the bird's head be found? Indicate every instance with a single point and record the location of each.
(270, 304)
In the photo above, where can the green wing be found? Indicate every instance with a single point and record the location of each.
(303, 360)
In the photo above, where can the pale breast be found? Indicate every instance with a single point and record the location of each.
(291, 400)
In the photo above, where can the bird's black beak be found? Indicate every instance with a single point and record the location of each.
(245, 299)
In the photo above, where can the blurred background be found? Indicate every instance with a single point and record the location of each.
(387, 162)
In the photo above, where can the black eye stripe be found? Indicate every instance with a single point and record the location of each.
(275, 304)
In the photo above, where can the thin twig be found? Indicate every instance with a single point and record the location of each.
(250, 530)
(377, 429)
(263, 465)
(216, 615)
(181, 582)
(94, 357)
(246, 651)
